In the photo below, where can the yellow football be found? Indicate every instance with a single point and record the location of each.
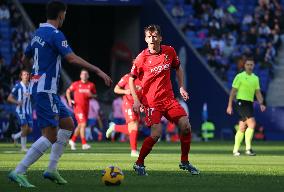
(112, 175)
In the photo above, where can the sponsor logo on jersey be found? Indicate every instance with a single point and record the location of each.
(160, 68)
(64, 44)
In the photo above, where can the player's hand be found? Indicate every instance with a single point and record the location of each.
(105, 77)
(70, 102)
(136, 106)
(262, 108)
(229, 110)
(127, 92)
(184, 93)
(19, 103)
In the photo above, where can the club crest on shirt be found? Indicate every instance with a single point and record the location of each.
(166, 57)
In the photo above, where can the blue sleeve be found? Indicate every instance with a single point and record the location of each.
(61, 44)
(14, 91)
(29, 51)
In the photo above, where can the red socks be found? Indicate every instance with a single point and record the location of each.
(74, 138)
(83, 139)
(148, 143)
(185, 141)
(133, 140)
(121, 129)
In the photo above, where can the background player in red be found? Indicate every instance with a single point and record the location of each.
(152, 66)
(83, 91)
(131, 117)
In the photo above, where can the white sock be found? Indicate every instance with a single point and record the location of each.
(57, 149)
(24, 142)
(34, 153)
(18, 135)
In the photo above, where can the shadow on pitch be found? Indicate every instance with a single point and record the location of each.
(177, 180)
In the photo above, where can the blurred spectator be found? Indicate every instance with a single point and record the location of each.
(177, 11)
(4, 11)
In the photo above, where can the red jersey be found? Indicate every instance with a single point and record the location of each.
(153, 70)
(123, 83)
(82, 92)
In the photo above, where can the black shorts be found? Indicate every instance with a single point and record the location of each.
(245, 109)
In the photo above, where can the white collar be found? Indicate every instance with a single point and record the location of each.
(46, 25)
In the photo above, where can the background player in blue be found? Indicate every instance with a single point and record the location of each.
(21, 97)
(47, 47)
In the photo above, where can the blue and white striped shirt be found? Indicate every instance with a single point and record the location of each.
(21, 93)
(47, 47)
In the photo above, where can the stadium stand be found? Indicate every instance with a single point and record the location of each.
(225, 32)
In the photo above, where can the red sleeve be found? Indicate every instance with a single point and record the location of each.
(93, 89)
(175, 62)
(136, 69)
(73, 87)
(123, 81)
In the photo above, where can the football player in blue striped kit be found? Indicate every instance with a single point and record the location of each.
(47, 47)
(20, 96)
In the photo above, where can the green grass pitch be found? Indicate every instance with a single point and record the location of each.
(220, 171)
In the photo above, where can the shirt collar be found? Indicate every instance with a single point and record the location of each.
(46, 25)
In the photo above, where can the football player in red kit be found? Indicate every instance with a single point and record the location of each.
(131, 117)
(152, 67)
(83, 91)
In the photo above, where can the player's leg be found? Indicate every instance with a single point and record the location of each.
(85, 146)
(133, 134)
(185, 140)
(34, 153)
(152, 119)
(66, 127)
(249, 136)
(239, 137)
(72, 141)
(25, 131)
(175, 113)
(46, 111)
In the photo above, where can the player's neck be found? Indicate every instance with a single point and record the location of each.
(53, 22)
(84, 81)
(249, 72)
(155, 50)
(25, 82)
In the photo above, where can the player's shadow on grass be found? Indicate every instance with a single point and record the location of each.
(90, 180)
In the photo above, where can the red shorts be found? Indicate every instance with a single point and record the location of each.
(81, 115)
(129, 114)
(170, 109)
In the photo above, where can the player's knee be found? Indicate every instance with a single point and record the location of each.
(185, 128)
(155, 137)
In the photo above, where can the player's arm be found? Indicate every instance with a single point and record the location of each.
(121, 91)
(180, 78)
(259, 98)
(137, 103)
(231, 98)
(12, 99)
(68, 96)
(74, 59)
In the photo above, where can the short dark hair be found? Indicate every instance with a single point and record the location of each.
(153, 28)
(249, 58)
(53, 8)
(84, 70)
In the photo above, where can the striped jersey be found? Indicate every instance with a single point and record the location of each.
(21, 93)
(47, 47)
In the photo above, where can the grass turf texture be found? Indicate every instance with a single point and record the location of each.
(220, 171)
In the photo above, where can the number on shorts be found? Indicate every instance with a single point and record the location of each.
(150, 111)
